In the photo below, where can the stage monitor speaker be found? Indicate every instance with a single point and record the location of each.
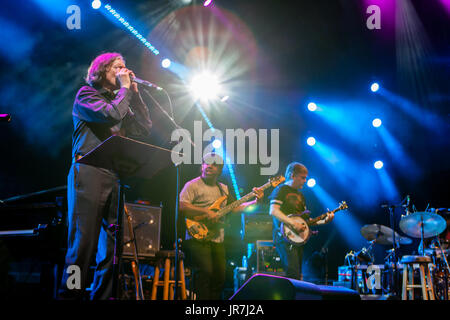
(269, 287)
(146, 222)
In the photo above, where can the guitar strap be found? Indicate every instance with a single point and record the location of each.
(222, 193)
(220, 188)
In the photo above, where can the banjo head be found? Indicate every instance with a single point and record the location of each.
(294, 237)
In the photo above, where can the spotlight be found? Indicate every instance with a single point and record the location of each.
(312, 106)
(225, 98)
(166, 63)
(376, 123)
(217, 144)
(130, 28)
(96, 4)
(207, 3)
(374, 87)
(378, 164)
(311, 141)
(311, 183)
(205, 86)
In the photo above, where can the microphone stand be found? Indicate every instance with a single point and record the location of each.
(177, 165)
(394, 252)
(394, 244)
(175, 267)
(165, 112)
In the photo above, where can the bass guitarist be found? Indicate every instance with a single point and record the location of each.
(207, 257)
(287, 199)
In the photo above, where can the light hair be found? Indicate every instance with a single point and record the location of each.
(99, 66)
(293, 169)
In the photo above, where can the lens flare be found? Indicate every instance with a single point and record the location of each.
(205, 86)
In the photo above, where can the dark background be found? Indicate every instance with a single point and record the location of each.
(286, 54)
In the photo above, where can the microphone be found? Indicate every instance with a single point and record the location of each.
(145, 83)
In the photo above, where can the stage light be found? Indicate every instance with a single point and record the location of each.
(378, 164)
(166, 63)
(311, 182)
(207, 3)
(130, 28)
(225, 98)
(96, 4)
(376, 123)
(217, 144)
(374, 87)
(312, 106)
(311, 141)
(205, 86)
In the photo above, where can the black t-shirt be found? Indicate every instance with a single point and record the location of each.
(290, 200)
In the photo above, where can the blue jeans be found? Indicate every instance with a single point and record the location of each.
(291, 257)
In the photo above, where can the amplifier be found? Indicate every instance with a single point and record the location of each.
(256, 226)
(146, 222)
(267, 259)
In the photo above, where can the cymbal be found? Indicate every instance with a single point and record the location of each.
(382, 235)
(433, 224)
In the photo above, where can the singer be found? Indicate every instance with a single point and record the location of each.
(109, 104)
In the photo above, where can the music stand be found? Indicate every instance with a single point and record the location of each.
(127, 158)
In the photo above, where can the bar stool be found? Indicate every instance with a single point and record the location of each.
(167, 257)
(426, 282)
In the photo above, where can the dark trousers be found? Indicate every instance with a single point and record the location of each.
(291, 257)
(92, 207)
(207, 259)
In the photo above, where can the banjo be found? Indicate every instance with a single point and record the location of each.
(299, 239)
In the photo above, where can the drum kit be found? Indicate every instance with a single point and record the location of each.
(420, 225)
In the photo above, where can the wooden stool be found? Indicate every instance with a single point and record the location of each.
(167, 257)
(409, 264)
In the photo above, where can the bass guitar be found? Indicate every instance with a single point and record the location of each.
(301, 238)
(201, 229)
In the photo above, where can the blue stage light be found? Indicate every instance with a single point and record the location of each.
(166, 63)
(375, 87)
(311, 182)
(217, 144)
(376, 122)
(96, 4)
(378, 164)
(312, 106)
(311, 141)
(130, 28)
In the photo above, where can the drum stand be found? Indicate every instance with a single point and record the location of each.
(395, 274)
